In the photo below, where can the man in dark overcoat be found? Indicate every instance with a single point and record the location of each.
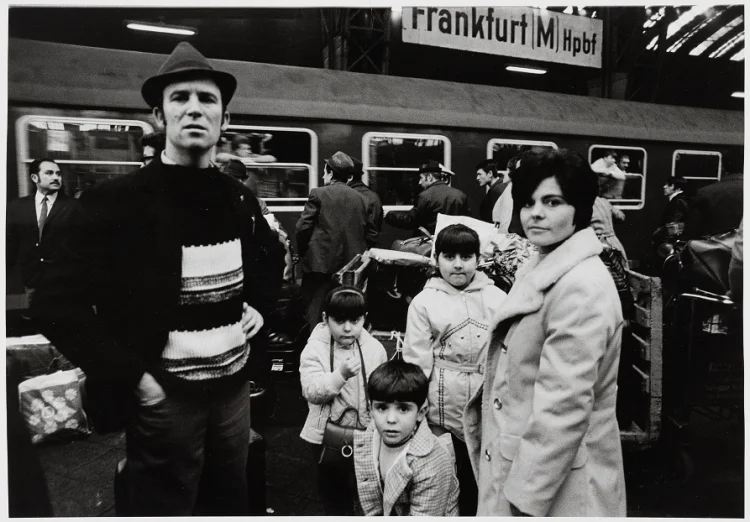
(491, 181)
(717, 207)
(437, 197)
(374, 206)
(333, 228)
(172, 269)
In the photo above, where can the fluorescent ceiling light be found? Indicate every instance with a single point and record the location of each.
(738, 94)
(161, 28)
(528, 70)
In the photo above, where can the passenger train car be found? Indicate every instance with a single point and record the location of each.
(83, 107)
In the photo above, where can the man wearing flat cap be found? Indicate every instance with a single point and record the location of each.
(437, 197)
(172, 269)
(333, 228)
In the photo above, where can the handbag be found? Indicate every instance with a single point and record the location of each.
(421, 245)
(704, 263)
(338, 438)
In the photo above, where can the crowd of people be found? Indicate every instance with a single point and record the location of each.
(498, 404)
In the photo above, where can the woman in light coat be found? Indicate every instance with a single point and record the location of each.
(541, 431)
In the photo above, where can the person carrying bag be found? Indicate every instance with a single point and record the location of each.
(334, 369)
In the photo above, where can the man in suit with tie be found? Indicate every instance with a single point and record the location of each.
(38, 225)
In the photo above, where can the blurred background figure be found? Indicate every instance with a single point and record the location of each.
(374, 206)
(611, 177)
(491, 180)
(153, 143)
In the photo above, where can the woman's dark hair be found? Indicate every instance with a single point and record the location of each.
(398, 380)
(577, 181)
(345, 303)
(457, 239)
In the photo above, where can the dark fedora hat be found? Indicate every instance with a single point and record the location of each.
(186, 62)
(341, 162)
(435, 167)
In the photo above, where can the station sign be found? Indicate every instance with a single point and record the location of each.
(521, 32)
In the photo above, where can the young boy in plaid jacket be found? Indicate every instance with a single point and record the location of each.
(401, 467)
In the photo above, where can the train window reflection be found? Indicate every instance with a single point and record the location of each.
(391, 162)
(503, 150)
(88, 150)
(280, 162)
(699, 167)
(622, 174)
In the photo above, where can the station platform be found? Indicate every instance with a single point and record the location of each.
(80, 473)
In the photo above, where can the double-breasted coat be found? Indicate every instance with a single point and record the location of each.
(541, 431)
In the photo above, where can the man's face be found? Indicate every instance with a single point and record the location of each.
(624, 163)
(426, 180)
(669, 190)
(48, 179)
(484, 178)
(192, 115)
(148, 154)
(243, 150)
(327, 175)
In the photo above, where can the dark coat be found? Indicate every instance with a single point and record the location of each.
(23, 245)
(439, 198)
(333, 228)
(374, 206)
(125, 259)
(489, 200)
(676, 210)
(716, 208)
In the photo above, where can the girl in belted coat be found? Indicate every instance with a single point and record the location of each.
(447, 333)
(542, 432)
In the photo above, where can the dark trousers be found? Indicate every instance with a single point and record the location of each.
(313, 291)
(187, 455)
(468, 495)
(337, 485)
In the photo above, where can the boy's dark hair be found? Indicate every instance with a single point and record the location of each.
(37, 163)
(457, 239)
(489, 166)
(345, 303)
(579, 184)
(398, 380)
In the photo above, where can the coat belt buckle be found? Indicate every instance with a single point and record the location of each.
(347, 451)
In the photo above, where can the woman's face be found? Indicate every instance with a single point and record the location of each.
(547, 218)
(457, 269)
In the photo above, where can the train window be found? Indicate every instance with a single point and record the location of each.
(503, 150)
(699, 167)
(280, 160)
(88, 150)
(391, 161)
(622, 174)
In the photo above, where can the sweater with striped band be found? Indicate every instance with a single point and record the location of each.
(205, 341)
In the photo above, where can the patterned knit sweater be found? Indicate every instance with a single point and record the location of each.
(205, 340)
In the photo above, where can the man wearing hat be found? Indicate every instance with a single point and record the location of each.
(172, 269)
(437, 197)
(333, 228)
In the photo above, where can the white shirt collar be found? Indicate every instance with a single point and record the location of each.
(51, 198)
(673, 194)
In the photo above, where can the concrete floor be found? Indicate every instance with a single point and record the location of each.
(79, 473)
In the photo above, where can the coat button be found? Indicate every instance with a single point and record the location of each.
(479, 335)
(498, 404)
(487, 454)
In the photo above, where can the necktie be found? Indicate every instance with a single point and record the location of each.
(42, 216)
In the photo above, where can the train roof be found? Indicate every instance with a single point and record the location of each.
(64, 74)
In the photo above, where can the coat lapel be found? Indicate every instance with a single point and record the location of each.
(537, 275)
(401, 473)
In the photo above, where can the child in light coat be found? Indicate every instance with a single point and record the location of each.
(447, 334)
(330, 391)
